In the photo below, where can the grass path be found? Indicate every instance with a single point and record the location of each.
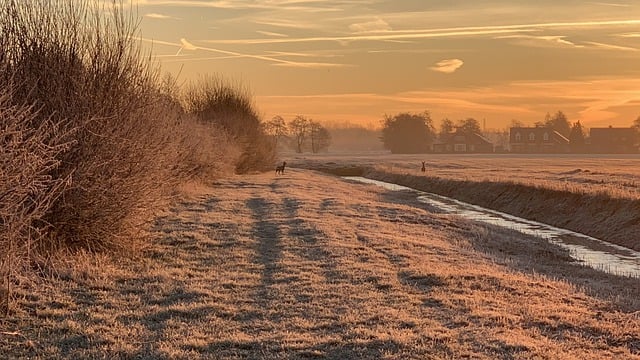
(308, 266)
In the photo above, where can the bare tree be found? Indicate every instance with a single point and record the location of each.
(469, 126)
(446, 127)
(300, 127)
(577, 138)
(559, 123)
(319, 136)
(636, 124)
(516, 123)
(276, 128)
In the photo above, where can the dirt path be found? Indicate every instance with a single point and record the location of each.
(308, 266)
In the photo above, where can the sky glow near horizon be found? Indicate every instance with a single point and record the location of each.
(357, 60)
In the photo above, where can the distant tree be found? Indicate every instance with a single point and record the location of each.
(469, 126)
(577, 138)
(516, 123)
(446, 127)
(319, 136)
(276, 128)
(636, 124)
(558, 122)
(407, 133)
(499, 138)
(299, 127)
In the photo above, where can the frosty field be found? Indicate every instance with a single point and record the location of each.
(306, 265)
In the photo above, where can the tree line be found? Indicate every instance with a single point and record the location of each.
(300, 134)
(415, 133)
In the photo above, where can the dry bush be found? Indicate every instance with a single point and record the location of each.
(229, 107)
(77, 64)
(210, 151)
(207, 151)
(27, 157)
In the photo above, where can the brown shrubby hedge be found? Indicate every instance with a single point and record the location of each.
(229, 107)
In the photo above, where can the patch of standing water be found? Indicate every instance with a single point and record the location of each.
(596, 253)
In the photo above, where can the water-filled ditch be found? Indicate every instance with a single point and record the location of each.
(596, 253)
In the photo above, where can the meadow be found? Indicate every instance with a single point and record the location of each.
(617, 176)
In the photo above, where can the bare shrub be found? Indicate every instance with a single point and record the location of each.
(229, 107)
(210, 151)
(76, 63)
(28, 155)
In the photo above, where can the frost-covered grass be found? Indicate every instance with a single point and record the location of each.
(307, 265)
(595, 195)
(617, 176)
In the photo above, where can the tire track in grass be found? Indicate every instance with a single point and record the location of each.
(367, 305)
(266, 232)
(302, 293)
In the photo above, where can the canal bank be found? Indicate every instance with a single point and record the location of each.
(613, 220)
(589, 251)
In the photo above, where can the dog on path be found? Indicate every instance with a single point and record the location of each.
(280, 168)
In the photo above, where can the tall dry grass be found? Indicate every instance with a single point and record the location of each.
(229, 107)
(28, 155)
(79, 66)
(93, 143)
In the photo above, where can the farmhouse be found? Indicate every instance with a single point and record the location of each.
(614, 140)
(537, 140)
(463, 142)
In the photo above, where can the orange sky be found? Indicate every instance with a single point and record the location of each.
(356, 60)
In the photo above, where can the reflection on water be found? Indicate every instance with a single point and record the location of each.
(593, 252)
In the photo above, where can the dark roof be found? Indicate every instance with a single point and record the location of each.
(539, 130)
(468, 138)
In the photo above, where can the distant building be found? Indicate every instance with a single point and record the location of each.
(537, 140)
(613, 140)
(463, 143)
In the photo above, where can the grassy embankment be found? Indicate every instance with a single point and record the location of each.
(596, 196)
(308, 266)
(92, 142)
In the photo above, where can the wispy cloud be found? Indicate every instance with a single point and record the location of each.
(630, 35)
(438, 33)
(187, 45)
(288, 24)
(381, 37)
(185, 59)
(560, 41)
(301, 54)
(377, 25)
(610, 46)
(540, 41)
(610, 4)
(448, 66)
(415, 51)
(159, 16)
(298, 5)
(269, 33)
